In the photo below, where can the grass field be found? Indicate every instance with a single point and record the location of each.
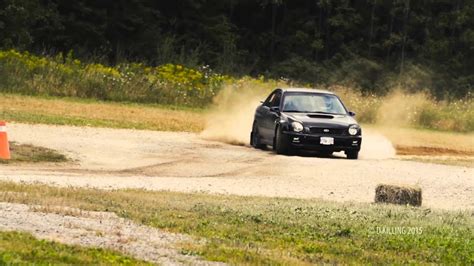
(23, 249)
(252, 230)
(25, 153)
(79, 112)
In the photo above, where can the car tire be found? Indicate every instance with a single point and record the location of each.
(255, 138)
(352, 155)
(282, 145)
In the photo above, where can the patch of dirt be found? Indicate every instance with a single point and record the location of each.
(467, 161)
(435, 151)
(98, 229)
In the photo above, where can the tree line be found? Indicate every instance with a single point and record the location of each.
(370, 44)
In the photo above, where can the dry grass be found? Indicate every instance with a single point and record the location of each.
(62, 210)
(422, 142)
(398, 195)
(28, 109)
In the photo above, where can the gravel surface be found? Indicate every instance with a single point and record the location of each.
(118, 158)
(99, 229)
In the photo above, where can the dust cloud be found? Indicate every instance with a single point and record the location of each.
(230, 119)
(397, 110)
(376, 146)
(400, 109)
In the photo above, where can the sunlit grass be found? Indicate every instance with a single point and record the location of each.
(59, 111)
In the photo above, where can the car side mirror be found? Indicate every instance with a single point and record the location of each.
(351, 113)
(275, 109)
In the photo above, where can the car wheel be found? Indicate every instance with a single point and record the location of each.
(353, 155)
(255, 138)
(281, 143)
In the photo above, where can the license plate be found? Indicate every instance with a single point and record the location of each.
(327, 141)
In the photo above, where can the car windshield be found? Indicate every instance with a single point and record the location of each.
(312, 103)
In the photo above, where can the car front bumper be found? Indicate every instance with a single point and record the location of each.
(313, 142)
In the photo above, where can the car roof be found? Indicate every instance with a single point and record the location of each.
(305, 90)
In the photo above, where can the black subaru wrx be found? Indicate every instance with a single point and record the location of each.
(295, 119)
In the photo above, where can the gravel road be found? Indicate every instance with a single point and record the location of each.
(118, 158)
(99, 229)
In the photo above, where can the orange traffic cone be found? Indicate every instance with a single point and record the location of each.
(4, 147)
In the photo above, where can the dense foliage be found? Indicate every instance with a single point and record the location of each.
(65, 76)
(371, 44)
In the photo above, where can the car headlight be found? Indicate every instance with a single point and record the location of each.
(297, 126)
(353, 130)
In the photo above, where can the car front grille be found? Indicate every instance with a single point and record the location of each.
(327, 131)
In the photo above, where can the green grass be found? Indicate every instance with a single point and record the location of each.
(22, 248)
(26, 153)
(253, 230)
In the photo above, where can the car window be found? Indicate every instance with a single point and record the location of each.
(312, 103)
(269, 100)
(276, 100)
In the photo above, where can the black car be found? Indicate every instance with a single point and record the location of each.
(306, 119)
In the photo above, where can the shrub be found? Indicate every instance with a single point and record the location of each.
(21, 72)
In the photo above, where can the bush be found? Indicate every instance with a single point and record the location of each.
(58, 76)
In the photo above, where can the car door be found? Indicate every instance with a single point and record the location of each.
(261, 114)
(271, 116)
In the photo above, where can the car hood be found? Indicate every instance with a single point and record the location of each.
(322, 120)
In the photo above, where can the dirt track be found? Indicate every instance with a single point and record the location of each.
(110, 158)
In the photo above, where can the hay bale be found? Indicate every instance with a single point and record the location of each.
(398, 195)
